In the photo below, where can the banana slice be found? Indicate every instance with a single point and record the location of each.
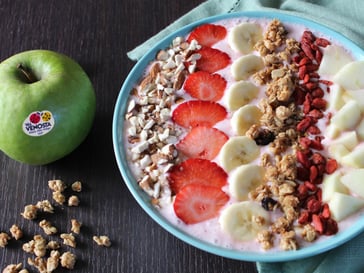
(244, 118)
(244, 179)
(242, 221)
(246, 66)
(243, 37)
(238, 150)
(241, 93)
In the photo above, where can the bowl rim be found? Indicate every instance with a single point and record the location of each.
(144, 200)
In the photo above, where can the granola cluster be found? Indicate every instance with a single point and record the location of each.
(150, 131)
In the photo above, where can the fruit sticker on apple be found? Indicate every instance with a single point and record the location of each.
(38, 123)
(47, 106)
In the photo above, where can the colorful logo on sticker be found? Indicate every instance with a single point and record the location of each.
(38, 123)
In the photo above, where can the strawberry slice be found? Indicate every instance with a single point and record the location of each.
(196, 171)
(212, 59)
(207, 34)
(205, 86)
(196, 203)
(202, 142)
(198, 113)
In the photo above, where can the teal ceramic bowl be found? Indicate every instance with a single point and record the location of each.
(144, 201)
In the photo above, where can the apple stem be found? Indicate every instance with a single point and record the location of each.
(29, 76)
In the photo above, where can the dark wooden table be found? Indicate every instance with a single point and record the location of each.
(97, 34)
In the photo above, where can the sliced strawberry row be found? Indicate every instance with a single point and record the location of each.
(197, 182)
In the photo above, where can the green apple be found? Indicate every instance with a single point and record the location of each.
(47, 106)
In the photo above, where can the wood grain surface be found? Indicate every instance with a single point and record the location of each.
(97, 34)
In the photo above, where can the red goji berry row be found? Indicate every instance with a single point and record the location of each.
(312, 165)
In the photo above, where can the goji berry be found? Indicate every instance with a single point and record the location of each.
(311, 85)
(310, 186)
(304, 61)
(314, 206)
(313, 173)
(319, 103)
(303, 159)
(308, 35)
(313, 130)
(318, 93)
(322, 42)
(326, 211)
(331, 227)
(318, 194)
(305, 142)
(317, 145)
(303, 125)
(302, 173)
(302, 192)
(304, 217)
(317, 223)
(306, 48)
(331, 166)
(318, 159)
(318, 56)
(316, 113)
(326, 82)
(312, 67)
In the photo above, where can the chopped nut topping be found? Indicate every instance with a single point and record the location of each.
(102, 240)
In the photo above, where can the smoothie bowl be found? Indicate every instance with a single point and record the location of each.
(242, 135)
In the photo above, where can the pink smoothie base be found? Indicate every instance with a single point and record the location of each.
(208, 235)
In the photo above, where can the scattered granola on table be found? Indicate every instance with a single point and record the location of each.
(47, 255)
